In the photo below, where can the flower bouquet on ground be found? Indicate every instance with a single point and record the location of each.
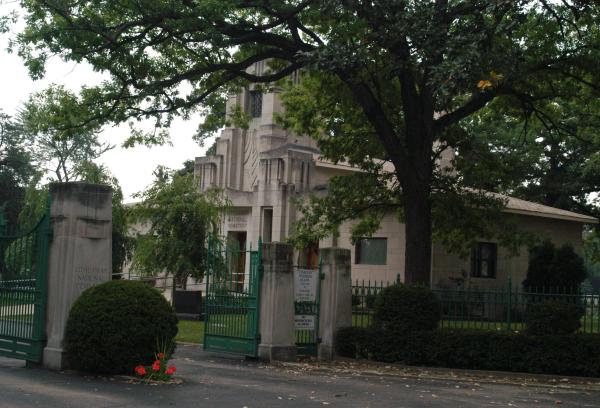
(159, 372)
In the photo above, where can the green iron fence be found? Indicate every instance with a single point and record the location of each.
(23, 287)
(503, 308)
(232, 300)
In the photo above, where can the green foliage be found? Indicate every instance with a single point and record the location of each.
(550, 267)
(34, 204)
(118, 325)
(16, 169)
(352, 342)
(60, 144)
(19, 259)
(402, 309)
(383, 80)
(554, 317)
(179, 220)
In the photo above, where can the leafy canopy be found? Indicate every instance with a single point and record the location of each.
(60, 145)
(403, 74)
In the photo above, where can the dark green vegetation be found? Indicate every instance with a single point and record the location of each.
(383, 80)
(574, 354)
(548, 345)
(16, 169)
(553, 317)
(118, 325)
(554, 268)
(400, 308)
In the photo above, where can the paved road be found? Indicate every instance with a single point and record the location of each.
(211, 381)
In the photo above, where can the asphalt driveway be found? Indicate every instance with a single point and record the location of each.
(216, 381)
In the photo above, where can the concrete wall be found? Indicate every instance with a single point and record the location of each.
(394, 232)
(448, 267)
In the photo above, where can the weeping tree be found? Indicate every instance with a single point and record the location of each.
(412, 71)
(175, 221)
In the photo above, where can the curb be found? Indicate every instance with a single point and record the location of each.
(446, 374)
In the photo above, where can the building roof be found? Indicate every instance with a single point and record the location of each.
(518, 206)
(513, 205)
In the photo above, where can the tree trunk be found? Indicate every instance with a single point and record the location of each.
(417, 213)
(415, 179)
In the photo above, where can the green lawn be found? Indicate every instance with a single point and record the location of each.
(190, 331)
(16, 298)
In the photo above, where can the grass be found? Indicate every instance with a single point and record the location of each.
(190, 331)
(16, 298)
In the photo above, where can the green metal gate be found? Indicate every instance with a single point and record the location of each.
(232, 299)
(307, 290)
(23, 288)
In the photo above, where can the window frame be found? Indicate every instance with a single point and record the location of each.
(357, 251)
(255, 100)
(477, 260)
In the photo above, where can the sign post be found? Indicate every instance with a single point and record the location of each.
(306, 307)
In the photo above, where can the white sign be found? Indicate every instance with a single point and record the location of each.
(306, 322)
(237, 219)
(305, 284)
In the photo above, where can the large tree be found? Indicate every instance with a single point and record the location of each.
(58, 145)
(412, 69)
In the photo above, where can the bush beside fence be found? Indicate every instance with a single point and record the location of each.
(490, 309)
(575, 354)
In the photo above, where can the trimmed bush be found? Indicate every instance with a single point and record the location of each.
(554, 269)
(401, 309)
(553, 317)
(352, 342)
(118, 325)
(574, 354)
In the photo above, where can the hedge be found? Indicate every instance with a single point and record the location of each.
(118, 325)
(573, 354)
(403, 308)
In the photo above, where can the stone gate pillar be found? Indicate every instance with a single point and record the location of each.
(80, 255)
(336, 297)
(277, 335)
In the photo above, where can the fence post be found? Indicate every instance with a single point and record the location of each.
(276, 322)
(336, 298)
(79, 255)
(509, 306)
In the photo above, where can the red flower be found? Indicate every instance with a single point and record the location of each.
(140, 370)
(156, 366)
(160, 356)
(170, 370)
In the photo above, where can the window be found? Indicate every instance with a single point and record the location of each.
(483, 260)
(371, 251)
(255, 104)
(267, 226)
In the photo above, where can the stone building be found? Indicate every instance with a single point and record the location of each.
(261, 168)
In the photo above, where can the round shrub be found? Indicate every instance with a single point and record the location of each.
(553, 317)
(118, 325)
(406, 308)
